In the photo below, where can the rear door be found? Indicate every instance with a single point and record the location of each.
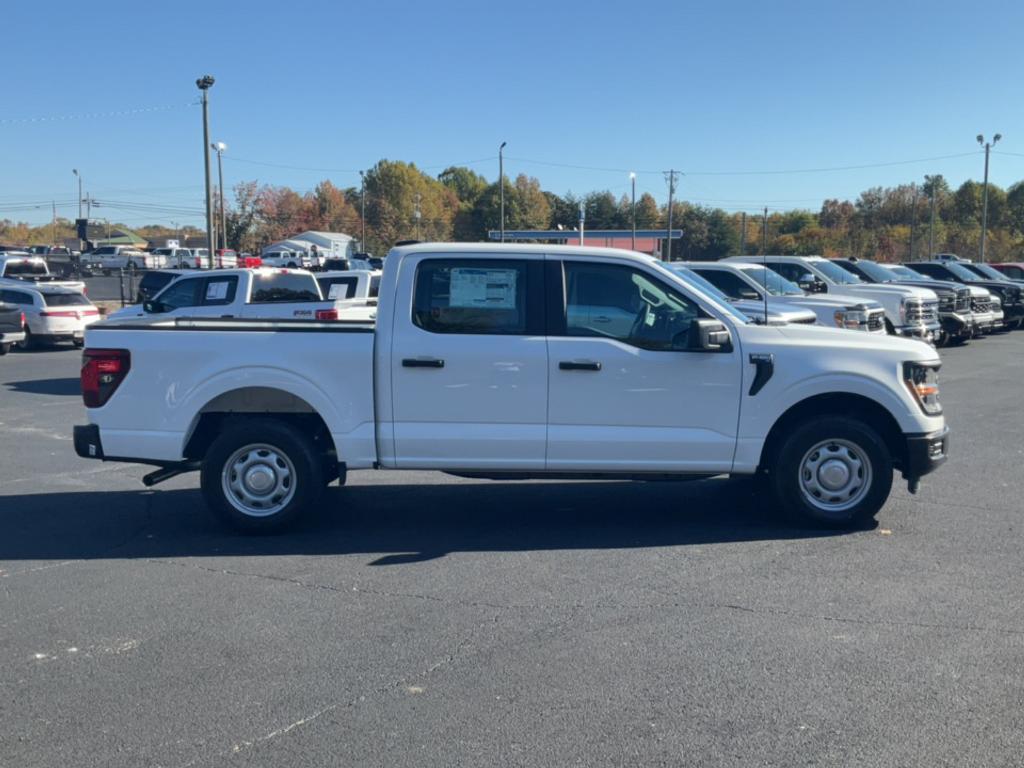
(625, 397)
(469, 363)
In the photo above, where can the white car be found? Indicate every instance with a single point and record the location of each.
(480, 364)
(52, 313)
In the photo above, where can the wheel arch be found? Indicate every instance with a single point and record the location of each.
(846, 404)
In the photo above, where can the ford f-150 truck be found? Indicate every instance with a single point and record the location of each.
(495, 361)
(263, 292)
(908, 311)
(24, 268)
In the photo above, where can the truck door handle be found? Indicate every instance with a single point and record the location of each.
(422, 362)
(579, 365)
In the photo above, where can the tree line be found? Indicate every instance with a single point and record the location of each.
(403, 203)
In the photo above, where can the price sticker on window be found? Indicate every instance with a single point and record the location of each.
(217, 291)
(483, 288)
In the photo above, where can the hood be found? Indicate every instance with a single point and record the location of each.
(906, 291)
(777, 313)
(935, 286)
(132, 310)
(829, 300)
(823, 336)
(977, 292)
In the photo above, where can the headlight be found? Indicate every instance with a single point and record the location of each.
(922, 379)
(850, 318)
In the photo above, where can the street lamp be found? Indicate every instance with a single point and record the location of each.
(79, 176)
(204, 84)
(984, 194)
(220, 146)
(632, 180)
(362, 203)
(501, 186)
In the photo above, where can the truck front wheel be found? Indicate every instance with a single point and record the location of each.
(259, 475)
(833, 471)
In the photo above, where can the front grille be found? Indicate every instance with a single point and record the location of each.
(963, 301)
(928, 312)
(876, 320)
(947, 303)
(981, 304)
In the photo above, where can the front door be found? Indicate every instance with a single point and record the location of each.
(469, 364)
(623, 396)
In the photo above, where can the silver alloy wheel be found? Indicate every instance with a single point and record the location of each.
(835, 475)
(258, 480)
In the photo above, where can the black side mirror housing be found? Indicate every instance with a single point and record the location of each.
(705, 335)
(153, 307)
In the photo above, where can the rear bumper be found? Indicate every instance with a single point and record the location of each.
(926, 452)
(12, 337)
(87, 441)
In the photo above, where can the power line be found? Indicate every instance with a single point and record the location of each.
(93, 115)
(286, 166)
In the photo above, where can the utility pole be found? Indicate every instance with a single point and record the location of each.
(362, 203)
(632, 179)
(931, 225)
(743, 233)
(764, 232)
(670, 176)
(220, 146)
(79, 176)
(583, 219)
(53, 226)
(501, 187)
(913, 220)
(204, 84)
(984, 194)
(416, 214)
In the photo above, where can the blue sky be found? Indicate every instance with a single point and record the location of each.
(708, 88)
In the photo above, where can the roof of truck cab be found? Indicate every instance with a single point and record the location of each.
(513, 248)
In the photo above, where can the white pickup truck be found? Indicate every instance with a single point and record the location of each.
(23, 268)
(262, 292)
(492, 361)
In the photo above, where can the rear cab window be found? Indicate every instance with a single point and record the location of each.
(283, 287)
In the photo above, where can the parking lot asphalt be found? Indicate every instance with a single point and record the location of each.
(418, 619)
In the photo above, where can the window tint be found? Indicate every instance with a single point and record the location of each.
(64, 299)
(625, 304)
(471, 296)
(181, 293)
(25, 268)
(283, 286)
(374, 286)
(219, 291)
(790, 271)
(1014, 272)
(731, 285)
(16, 297)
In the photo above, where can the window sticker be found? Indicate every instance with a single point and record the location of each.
(217, 291)
(337, 291)
(483, 288)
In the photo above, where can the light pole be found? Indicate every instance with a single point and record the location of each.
(220, 146)
(984, 193)
(362, 215)
(632, 180)
(501, 186)
(913, 220)
(204, 84)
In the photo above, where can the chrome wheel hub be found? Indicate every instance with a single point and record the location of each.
(258, 480)
(835, 475)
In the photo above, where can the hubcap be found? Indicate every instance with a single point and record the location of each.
(835, 475)
(258, 480)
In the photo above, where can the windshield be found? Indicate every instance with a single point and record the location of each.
(960, 271)
(875, 271)
(777, 285)
(835, 273)
(25, 268)
(691, 277)
(986, 271)
(906, 273)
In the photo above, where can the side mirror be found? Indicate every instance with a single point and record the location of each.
(153, 307)
(705, 335)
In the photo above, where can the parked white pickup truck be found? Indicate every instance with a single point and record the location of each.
(909, 311)
(23, 268)
(258, 293)
(481, 365)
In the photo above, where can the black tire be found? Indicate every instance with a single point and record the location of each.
(847, 445)
(29, 342)
(889, 328)
(295, 467)
(78, 343)
(5, 348)
(291, 265)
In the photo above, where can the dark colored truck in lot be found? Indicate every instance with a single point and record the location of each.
(12, 326)
(1009, 294)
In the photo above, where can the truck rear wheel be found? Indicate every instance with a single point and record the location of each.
(258, 476)
(834, 471)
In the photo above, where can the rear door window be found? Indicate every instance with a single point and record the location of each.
(219, 291)
(471, 296)
(338, 287)
(283, 287)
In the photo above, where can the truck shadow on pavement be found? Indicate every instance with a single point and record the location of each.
(398, 524)
(69, 387)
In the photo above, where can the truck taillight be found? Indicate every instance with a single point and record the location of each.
(327, 314)
(103, 370)
(22, 319)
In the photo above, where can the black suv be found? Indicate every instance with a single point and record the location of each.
(954, 298)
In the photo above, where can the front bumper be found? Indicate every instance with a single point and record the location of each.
(926, 453)
(926, 332)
